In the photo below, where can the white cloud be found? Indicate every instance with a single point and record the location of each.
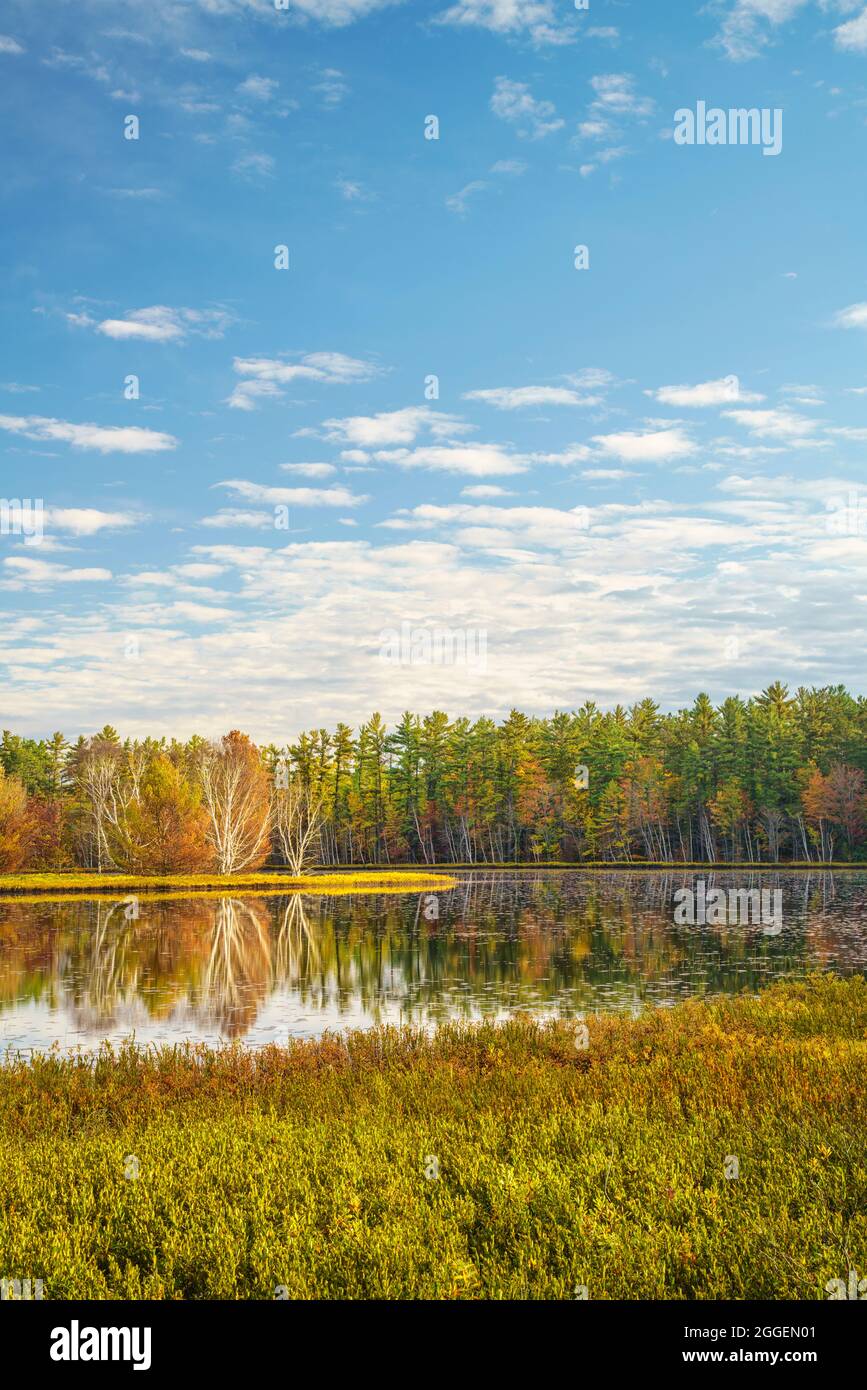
(197, 612)
(393, 427)
(513, 102)
(852, 36)
(539, 19)
(160, 324)
(802, 395)
(87, 521)
(516, 397)
(246, 394)
(352, 191)
(9, 45)
(509, 166)
(230, 518)
(259, 88)
(606, 475)
(721, 392)
(850, 432)
(293, 496)
(199, 570)
(594, 129)
(774, 424)
(542, 585)
(500, 528)
(105, 439)
(254, 165)
(309, 470)
(855, 316)
(615, 100)
(479, 460)
(574, 453)
(75, 521)
(591, 378)
(332, 87)
(603, 157)
(653, 446)
(332, 13)
(483, 490)
(74, 62)
(616, 96)
(264, 377)
(749, 26)
(457, 202)
(23, 570)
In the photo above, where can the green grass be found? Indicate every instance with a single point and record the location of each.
(305, 1166)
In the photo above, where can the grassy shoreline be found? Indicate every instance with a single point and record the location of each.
(193, 884)
(304, 1168)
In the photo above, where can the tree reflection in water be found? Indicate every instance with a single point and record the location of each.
(82, 969)
(237, 976)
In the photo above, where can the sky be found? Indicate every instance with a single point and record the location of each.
(302, 351)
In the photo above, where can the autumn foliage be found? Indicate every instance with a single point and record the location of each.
(774, 778)
(165, 828)
(15, 824)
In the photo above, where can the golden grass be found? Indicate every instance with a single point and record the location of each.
(488, 1162)
(35, 886)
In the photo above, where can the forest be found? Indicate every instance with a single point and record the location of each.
(774, 778)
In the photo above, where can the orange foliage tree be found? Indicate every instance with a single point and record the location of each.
(837, 799)
(15, 824)
(165, 829)
(816, 801)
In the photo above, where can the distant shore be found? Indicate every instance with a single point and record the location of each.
(354, 879)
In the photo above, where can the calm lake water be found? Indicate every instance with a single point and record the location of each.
(266, 968)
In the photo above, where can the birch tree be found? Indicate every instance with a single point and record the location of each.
(235, 796)
(296, 812)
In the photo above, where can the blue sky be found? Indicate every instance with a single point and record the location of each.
(645, 477)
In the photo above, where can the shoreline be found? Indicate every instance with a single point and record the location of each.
(38, 885)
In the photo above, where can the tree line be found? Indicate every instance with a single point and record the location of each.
(779, 776)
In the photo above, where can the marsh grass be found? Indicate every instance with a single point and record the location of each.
(304, 1167)
(35, 885)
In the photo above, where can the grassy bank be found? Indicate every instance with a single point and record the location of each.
(35, 884)
(558, 1166)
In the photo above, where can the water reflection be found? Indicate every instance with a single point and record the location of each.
(266, 968)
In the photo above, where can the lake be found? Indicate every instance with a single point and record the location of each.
(265, 968)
